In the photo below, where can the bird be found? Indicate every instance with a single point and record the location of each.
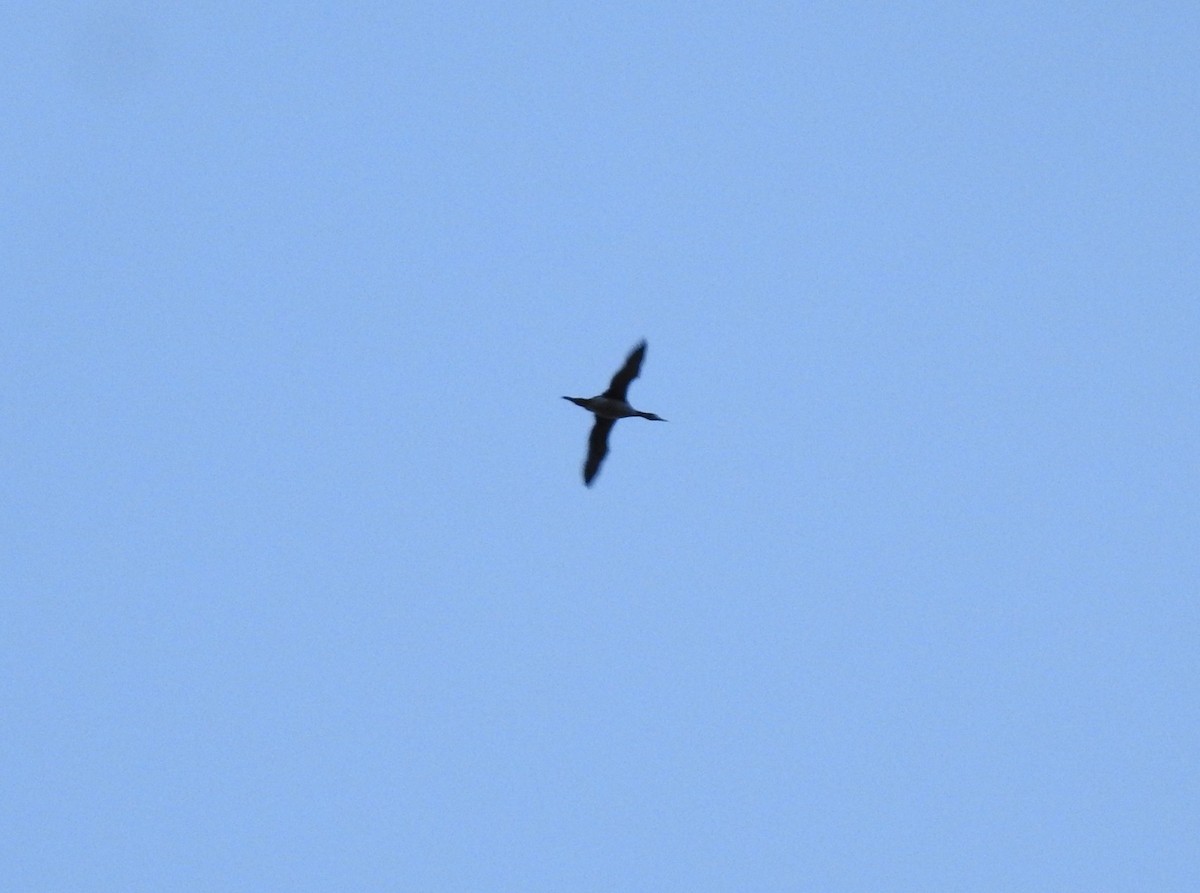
(608, 408)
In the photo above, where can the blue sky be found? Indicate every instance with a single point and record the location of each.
(303, 590)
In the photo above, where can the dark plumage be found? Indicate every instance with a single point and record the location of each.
(597, 448)
(619, 386)
(608, 408)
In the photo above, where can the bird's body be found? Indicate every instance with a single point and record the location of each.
(608, 408)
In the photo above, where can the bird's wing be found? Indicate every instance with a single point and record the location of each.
(627, 373)
(597, 448)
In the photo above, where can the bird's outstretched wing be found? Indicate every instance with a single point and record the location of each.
(597, 448)
(627, 373)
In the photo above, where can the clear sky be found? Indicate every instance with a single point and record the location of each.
(302, 589)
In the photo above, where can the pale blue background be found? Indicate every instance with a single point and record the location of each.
(302, 590)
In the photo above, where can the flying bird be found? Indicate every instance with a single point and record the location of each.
(608, 407)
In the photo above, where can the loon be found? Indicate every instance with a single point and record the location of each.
(608, 407)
